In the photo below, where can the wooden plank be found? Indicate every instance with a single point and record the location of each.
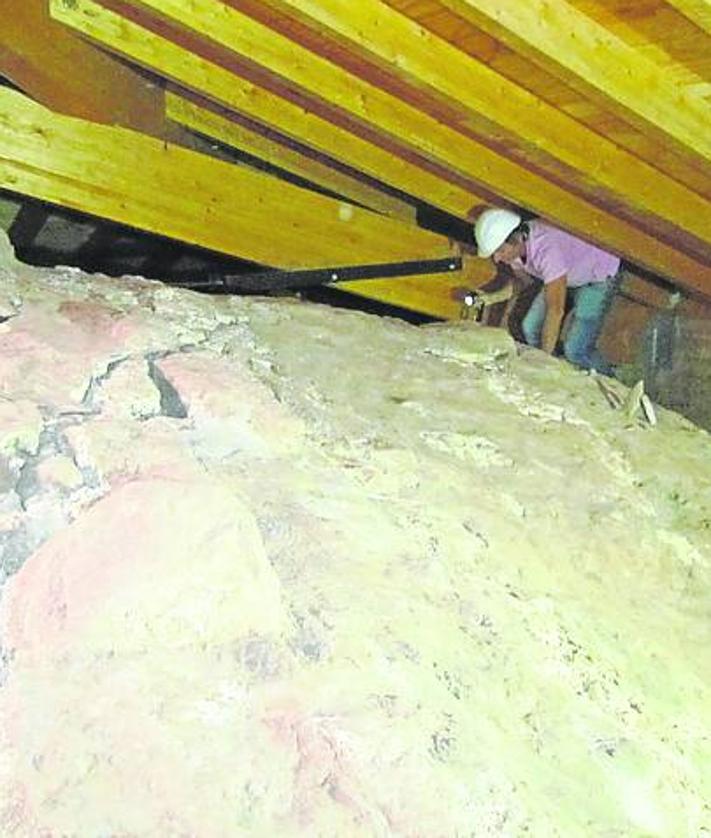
(475, 273)
(623, 330)
(481, 96)
(496, 173)
(239, 211)
(223, 87)
(644, 291)
(127, 177)
(589, 57)
(231, 133)
(57, 68)
(697, 11)
(420, 292)
(658, 33)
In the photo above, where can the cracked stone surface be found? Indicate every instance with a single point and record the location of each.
(276, 569)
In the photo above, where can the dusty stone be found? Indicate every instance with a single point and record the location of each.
(230, 409)
(113, 450)
(278, 569)
(464, 343)
(60, 471)
(20, 426)
(128, 392)
(9, 301)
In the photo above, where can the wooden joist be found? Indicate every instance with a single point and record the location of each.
(659, 32)
(697, 11)
(389, 115)
(229, 132)
(62, 71)
(136, 180)
(418, 291)
(489, 104)
(590, 58)
(201, 76)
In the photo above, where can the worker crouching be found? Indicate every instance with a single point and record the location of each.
(567, 266)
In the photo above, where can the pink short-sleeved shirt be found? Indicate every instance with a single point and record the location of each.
(552, 253)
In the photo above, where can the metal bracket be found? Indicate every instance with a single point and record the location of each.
(265, 281)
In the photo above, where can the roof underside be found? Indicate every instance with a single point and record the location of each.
(595, 114)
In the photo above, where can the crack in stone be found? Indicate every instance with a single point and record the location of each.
(18, 544)
(171, 405)
(27, 485)
(97, 381)
(16, 547)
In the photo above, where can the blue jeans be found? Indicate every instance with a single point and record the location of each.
(590, 305)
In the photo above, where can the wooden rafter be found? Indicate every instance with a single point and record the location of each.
(231, 91)
(483, 100)
(590, 58)
(394, 118)
(62, 71)
(659, 32)
(136, 180)
(697, 11)
(242, 137)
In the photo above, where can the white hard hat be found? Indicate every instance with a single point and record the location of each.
(492, 228)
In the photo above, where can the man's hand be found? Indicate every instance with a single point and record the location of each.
(485, 295)
(555, 308)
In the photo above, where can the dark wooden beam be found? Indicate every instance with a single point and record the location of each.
(53, 65)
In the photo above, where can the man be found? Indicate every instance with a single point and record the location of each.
(564, 263)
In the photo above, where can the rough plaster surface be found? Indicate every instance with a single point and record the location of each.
(272, 569)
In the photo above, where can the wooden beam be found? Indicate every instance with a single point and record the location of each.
(57, 68)
(590, 58)
(223, 87)
(189, 196)
(418, 291)
(483, 166)
(136, 180)
(228, 131)
(489, 104)
(697, 11)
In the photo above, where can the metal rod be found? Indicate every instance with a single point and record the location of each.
(294, 280)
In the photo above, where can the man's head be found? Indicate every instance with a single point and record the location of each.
(500, 235)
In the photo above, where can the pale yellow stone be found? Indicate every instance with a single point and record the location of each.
(60, 471)
(20, 426)
(373, 580)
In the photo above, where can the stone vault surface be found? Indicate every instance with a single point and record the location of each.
(274, 569)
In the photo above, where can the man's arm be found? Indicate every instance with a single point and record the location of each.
(555, 308)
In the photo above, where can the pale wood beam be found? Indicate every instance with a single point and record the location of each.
(697, 11)
(590, 58)
(420, 291)
(223, 87)
(151, 185)
(491, 105)
(483, 166)
(239, 136)
(62, 71)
